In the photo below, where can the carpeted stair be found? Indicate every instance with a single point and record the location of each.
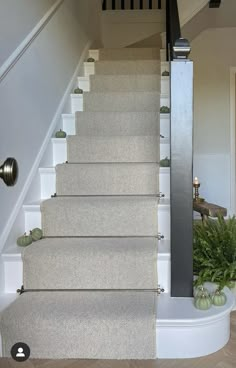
(100, 231)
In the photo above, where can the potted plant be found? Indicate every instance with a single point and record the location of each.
(214, 252)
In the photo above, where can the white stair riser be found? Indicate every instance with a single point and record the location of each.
(163, 272)
(76, 102)
(13, 274)
(84, 83)
(164, 150)
(69, 124)
(163, 54)
(33, 219)
(48, 182)
(165, 85)
(164, 66)
(59, 150)
(165, 100)
(94, 54)
(89, 69)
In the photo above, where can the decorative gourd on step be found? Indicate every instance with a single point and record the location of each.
(36, 234)
(24, 240)
(219, 298)
(90, 60)
(165, 74)
(203, 301)
(78, 91)
(164, 110)
(165, 162)
(60, 134)
(198, 291)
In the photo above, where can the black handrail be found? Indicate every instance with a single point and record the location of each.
(113, 3)
(176, 46)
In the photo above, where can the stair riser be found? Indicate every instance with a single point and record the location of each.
(60, 152)
(125, 83)
(69, 127)
(85, 84)
(107, 179)
(131, 102)
(13, 274)
(127, 101)
(33, 219)
(127, 67)
(48, 182)
(129, 54)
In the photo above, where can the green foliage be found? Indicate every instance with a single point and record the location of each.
(214, 251)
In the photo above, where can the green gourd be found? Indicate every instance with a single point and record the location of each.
(60, 134)
(78, 91)
(203, 301)
(219, 298)
(24, 240)
(198, 291)
(36, 234)
(165, 74)
(164, 110)
(165, 162)
(90, 60)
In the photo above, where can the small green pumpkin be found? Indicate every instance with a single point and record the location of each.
(90, 60)
(36, 234)
(165, 162)
(165, 74)
(198, 291)
(78, 91)
(219, 298)
(60, 134)
(164, 110)
(203, 301)
(24, 240)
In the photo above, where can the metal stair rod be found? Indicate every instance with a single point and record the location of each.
(158, 290)
(104, 5)
(131, 4)
(113, 5)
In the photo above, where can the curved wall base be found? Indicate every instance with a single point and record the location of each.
(186, 332)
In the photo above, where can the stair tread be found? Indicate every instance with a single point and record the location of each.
(70, 318)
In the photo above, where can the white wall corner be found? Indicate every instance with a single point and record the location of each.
(56, 121)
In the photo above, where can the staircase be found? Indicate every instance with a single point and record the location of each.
(91, 284)
(101, 229)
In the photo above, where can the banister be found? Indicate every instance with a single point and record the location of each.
(177, 47)
(147, 4)
(19, 52)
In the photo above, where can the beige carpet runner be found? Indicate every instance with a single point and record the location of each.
(100, 231)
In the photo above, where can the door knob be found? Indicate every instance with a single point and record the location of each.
(9, 171)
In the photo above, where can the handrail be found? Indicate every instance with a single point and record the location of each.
(22, 48)
(114, 6)
(176, 46)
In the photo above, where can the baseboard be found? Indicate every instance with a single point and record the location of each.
(47, 140)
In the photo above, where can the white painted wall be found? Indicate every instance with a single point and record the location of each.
(213, 55)
(17, 19)
(31, 92)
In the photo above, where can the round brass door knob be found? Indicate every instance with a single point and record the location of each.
(9, 171)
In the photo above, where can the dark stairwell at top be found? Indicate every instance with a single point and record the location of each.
(131, 4)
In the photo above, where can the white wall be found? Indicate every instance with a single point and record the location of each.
(17, 19)
(213, 55)
(31, 92)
